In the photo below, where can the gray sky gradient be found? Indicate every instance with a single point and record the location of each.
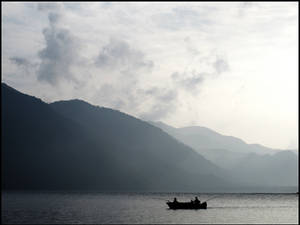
(229, 66)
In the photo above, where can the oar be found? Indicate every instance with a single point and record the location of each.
(211, 198)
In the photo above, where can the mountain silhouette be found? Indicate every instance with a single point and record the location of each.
(73, 145)
(252, 164)
(204, 138)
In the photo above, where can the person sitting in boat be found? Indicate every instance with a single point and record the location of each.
(196, 200)
(175, 200)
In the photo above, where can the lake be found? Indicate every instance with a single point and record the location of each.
(117, 208)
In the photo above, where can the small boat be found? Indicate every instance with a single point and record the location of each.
(186, 205)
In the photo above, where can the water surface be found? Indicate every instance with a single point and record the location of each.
(97, 208)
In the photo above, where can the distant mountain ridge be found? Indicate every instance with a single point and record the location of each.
(72, 145)
(251, 163)
(212, 140)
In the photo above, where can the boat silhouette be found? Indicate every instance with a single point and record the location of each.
(186, 205)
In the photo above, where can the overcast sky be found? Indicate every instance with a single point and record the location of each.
(231, 67)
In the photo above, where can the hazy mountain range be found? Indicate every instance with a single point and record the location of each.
(73, 145)
(250, 163)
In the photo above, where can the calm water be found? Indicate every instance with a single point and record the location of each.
(96, 208)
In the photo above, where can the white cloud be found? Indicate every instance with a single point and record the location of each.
(59, 54)
(214, 48)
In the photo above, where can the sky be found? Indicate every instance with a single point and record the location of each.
(228, 66)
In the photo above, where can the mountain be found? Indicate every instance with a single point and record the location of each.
(72, 145)
(250, 163)
(280, 168)
(204, 138)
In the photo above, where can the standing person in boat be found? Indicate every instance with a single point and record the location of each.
(175, 200)
(196, 200)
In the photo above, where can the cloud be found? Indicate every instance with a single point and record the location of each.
(150, 104)
(49, 6)
(221, 65)
(157, 112)
(53, 18)
(192, 78)
(163, 103)
(114, 100)
(161, 94)
(26, 66)
(119, 55)
(191, 47)
(144, 53)
(182, 18)
(190, 83)
(243, 7)
(19, 61)
(59, 54)
(125, 67)
(202, 65)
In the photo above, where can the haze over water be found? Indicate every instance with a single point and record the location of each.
(112, 208)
